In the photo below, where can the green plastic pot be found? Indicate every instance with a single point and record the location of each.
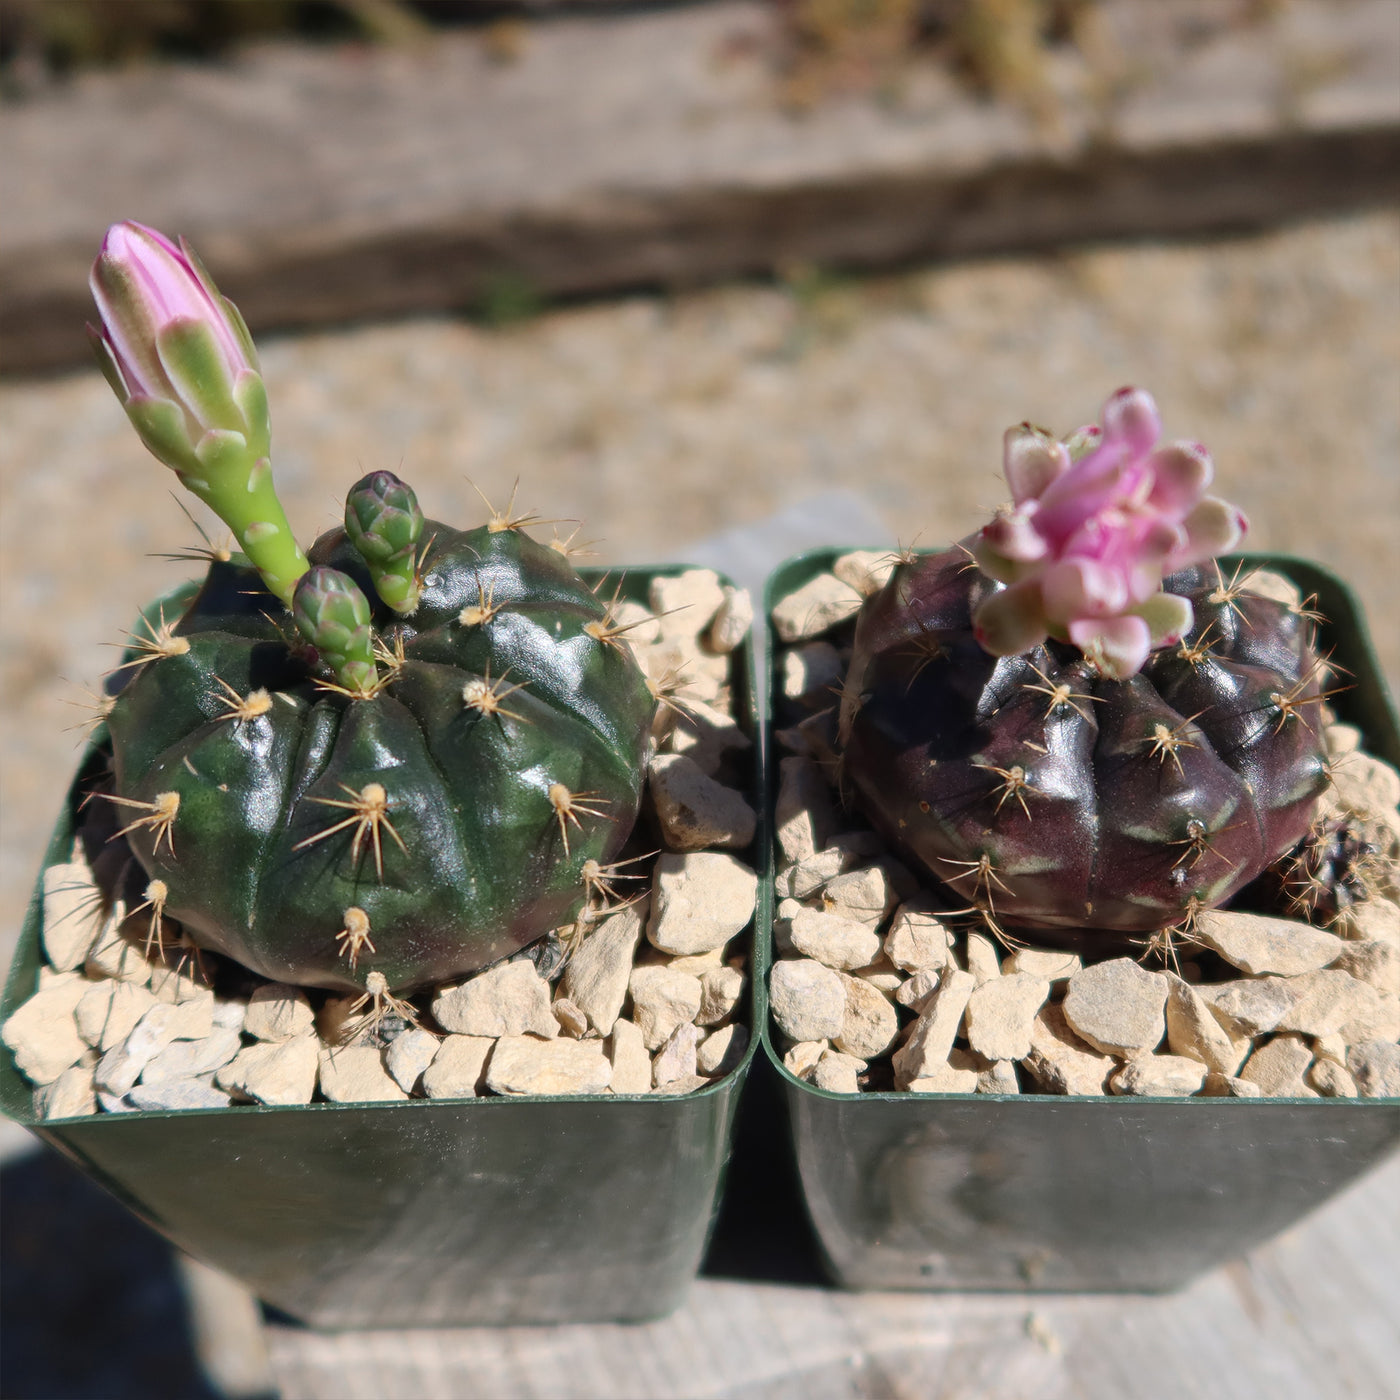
(429, 1212)
(999, 1192)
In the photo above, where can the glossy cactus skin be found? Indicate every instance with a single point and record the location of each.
(455, 806)
(1109, 805)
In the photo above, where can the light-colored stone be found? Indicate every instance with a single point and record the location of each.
(866, 570)
(882, 975)
(1001, 1012)
(117, 953)
(1335, 1001)
(870, 1023)
(1331, 1080)
(595, 979)
(707, 737)
(702, 676)
(1374, 1066)
(1059, 1061)
(1227, 1086)
(1117, 1006)
(1373, 920)
(124, 1062)
(1366, 785)
(931, 1036)
(815, 608)
(1278, 1068)
(802, 1058)
(918, 939)
(631, 1063)
(1051, 963)
(188, 1059)
(1250, 1006)
(114, 1103)
(1267, 583)
(108, 1013)
(458, 1070)
(696, 812)
(509, 999)
(981, 958)
(944, 1078)
(918, 989)
(71, 1095)
(808, 877)
(522, 1064)
(178, 1094)
(182, 979)
(356, 1074)
(808, 999)
(993, 1076)
(863, 895)
(1256, 944)
(572, 1021)
(1159, 1076)
(676, 1059)
(1341, 739)
(228, 1013)
(278, 1011)
(838, 1073)
(73, 915)
(686, 1084)
(43, 1033)
(833, 940)
(1330, 1047)
(699, 901)
(803, 816)
(1374, 961)
(812, 674)
(409, 1055)
(720, 990)
(1193, 1030)
(685, 605)
(697, 964)
(643, 626)
(733, 620)
(663, 999)
(191, 1020)
(721, 1051)
(273, 1072)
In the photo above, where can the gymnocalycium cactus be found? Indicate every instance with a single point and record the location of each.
(386, 763)
(1074, 719)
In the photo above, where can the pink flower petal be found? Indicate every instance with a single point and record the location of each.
(1115, 646)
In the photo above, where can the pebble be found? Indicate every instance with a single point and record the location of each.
(1059, 1061)
(42, 1032)
(188, 1059)
(993, 1076)
(722, 1051)
(1374, 961)
(802, 1059)
(1168, 1076)
(183, 981)
(808, 999)
(1335, 1001)
(1250, 1006)
(278, 1011)
(1226, 1086)
(697, 964)
(661, 1000)
(982, 960)
(882, 975)
(1375, 920)
(109, 1012)
(509, 999)
(172, 1094)
(870, 1023)
(838, 1073)
(274, 1072)
(944, 1078)
(1052, 964)
(1194, 1030)
(1117, 1007)
(812, 674)
(685, 604)
(1365, 785)
(71, 1095)
(733, 620)
(917, 940)
(815, 608)
(696, 812)
(833, 940)
(865, 570)
(1256, 944)
(458, 1069)
(1001, 1013)
(522, 1064)
(356, 1074)
(1331, 1080)
(1341, 739)
(808, 876)
(571, 1020)
(116, 954)
(720, 990)
(631, 1063)
(409, 1054)
(125, 1062)
(1278, 1068)
(73, 915)
(707, 737)
(595, 979)
(676, 1059)
(1374, 1065)
(803, 816)
(931, 1036)
(700, 900)
(686, 1084)
(863, 895)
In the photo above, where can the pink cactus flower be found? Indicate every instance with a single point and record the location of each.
(1096, 522)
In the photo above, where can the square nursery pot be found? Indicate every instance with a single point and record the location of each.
(1048, 1193)
(429, 1211)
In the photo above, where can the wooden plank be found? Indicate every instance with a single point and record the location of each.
(651, 149)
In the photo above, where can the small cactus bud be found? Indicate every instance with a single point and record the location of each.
(333, 615)
(384, 524)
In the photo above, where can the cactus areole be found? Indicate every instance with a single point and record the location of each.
(1076, 719)
(400, 755)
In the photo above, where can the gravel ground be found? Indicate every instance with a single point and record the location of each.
(659, 421)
